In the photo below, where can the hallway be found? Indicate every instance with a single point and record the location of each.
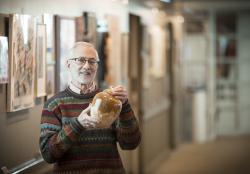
(223, 156)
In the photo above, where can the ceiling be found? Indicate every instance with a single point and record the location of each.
(190, 5)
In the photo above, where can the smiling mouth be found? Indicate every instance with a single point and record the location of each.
(85, 73)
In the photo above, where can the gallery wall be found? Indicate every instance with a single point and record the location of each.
(68, 8)
(19, 131)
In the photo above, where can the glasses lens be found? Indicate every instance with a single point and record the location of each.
(83, 60)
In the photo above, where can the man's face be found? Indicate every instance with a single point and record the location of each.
(83, 65)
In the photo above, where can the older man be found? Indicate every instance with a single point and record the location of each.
(73, 139)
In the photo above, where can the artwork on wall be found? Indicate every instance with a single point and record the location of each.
(113, 50)
(50, 86)
(226, 45)
(3, 59)
(79, 28)
(86, 26)
(48, 20)
(63, 43)
(41, 60)
(102, 73)
(4, 24)
(194, 26)
(22, 62)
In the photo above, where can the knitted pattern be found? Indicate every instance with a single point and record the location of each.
(72, 148)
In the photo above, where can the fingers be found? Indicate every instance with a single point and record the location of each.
(90, 122)
(118, 88)
(120, 93)
(121, 97)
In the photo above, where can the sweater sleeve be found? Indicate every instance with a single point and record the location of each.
(127, 128)
(56, 139)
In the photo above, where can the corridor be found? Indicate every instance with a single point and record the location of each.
(223, 156)
(180, 68)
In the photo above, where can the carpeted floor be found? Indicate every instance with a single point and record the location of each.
(223, 156)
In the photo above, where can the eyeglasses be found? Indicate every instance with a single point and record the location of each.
(83, 60)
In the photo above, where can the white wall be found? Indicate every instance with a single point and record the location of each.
(68, 8)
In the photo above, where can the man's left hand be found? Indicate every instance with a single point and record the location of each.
(119, 92)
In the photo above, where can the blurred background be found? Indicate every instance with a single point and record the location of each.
(185, 64)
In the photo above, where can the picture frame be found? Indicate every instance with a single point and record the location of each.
(50, 79)
(22, 62)
(48, 20)
(63, 44)
(194, 26)
(79, 21)
(86, 28)
(41, 60)
(3, 60)
(114, 50)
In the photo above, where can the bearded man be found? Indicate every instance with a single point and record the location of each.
(72, 138)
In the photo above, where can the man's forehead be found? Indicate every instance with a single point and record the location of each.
(83, 51)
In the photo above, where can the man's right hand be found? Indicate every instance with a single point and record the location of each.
(88, 121)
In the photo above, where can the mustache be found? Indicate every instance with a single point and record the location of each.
(85, 72)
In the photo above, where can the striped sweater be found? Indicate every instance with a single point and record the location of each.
(72, 148)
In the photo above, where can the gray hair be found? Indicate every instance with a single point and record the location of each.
(81, 44)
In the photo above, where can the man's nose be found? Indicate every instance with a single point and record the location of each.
(86, 65)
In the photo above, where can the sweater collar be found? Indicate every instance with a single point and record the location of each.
(78, 90)
(82, 96)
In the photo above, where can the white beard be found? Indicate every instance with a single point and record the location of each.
(83, 79)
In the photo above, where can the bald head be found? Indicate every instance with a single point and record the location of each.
(83, 49)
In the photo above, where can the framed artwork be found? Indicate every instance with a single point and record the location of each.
(102, 38)
(65, 39)
(48, 20)
(226, 23)
(3, 59)
(194, 26)
(50, 85)
(114, 50)
(22, 62)
(91, 26)
(86, 28)
(79, 28)
(41, 60)
(4, 24)
(226, 45)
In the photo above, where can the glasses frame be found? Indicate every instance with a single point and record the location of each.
(91, 63)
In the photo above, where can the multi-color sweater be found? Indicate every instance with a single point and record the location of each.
(74, 149)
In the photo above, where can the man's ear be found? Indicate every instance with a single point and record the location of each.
(67, 64)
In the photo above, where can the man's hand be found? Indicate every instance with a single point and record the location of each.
(119, 92)
(88, 121)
